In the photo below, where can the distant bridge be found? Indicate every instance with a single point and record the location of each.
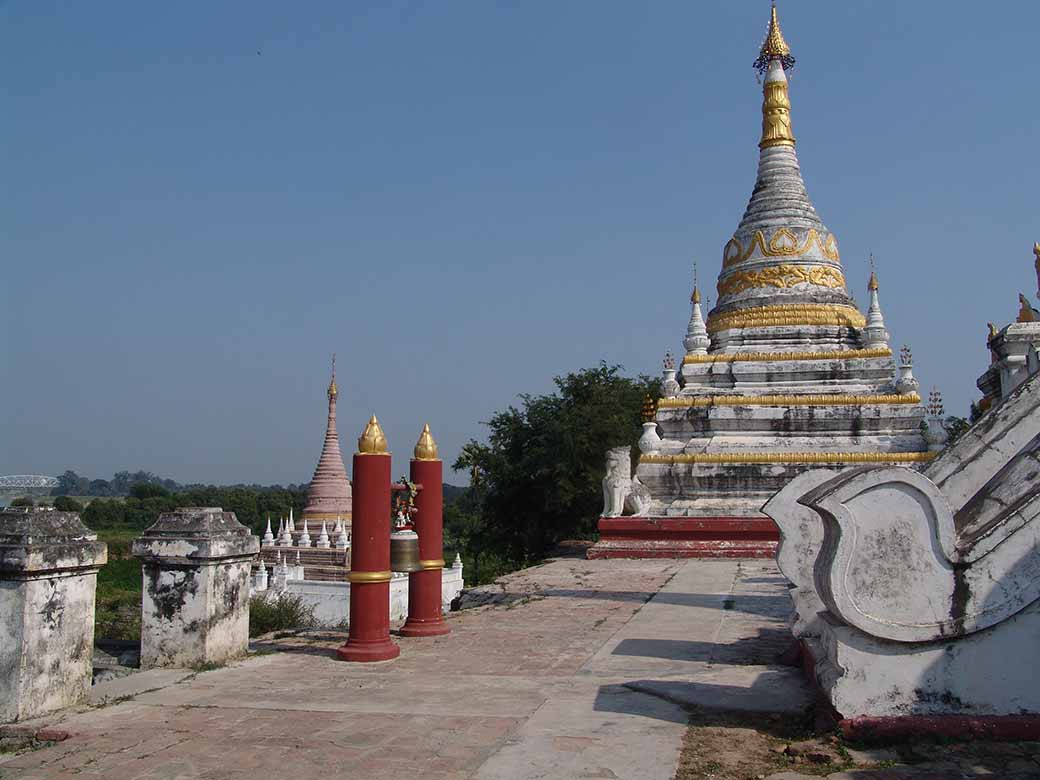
(27, 482)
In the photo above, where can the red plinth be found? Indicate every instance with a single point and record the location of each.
(424, 587)
(369, 638)
(685, 537)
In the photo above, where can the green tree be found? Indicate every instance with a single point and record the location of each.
(23, 501)
(142, 490)
(955, 428)
(66, 504)
(538, 479)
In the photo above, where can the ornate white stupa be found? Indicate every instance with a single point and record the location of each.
(784, 374)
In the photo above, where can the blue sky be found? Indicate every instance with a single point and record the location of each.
(461, 199)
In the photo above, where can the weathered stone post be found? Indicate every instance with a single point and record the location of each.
(48, 574)
(195, 604)
(424, 587)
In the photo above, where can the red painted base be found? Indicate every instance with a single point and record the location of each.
(425, 628)
(995, 727)
(379, 650)
(685, 537)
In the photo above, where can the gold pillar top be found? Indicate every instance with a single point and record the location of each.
(372, 440)
(426, 447)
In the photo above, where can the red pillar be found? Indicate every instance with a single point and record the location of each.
(369, 576)
(424, 587)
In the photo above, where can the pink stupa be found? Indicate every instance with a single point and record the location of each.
(328, 496)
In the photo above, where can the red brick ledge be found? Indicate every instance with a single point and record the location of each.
(685, 537)
(994, 727)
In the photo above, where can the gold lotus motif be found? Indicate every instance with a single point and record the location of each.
(785, 314)
(835, 399)
(790, 457)
(782, 276)
(783, 243)
(844, 354)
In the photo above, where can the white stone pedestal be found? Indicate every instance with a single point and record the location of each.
(48, 574)
(195, 604)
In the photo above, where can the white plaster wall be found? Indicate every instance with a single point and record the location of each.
(46, 644)
(986, 673)
(194, 614)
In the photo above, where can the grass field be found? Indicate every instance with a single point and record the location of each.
(118, 614)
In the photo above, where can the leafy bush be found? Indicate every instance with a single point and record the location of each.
(66, 504)
(283, 612)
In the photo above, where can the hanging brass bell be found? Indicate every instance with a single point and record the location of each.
(404, 551)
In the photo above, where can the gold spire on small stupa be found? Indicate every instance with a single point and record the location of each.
(333, 390)
(696, 297)
(426, 447)
(372, 440)
(872, 285)
(649, 410)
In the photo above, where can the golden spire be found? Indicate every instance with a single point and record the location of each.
(649, 410)
(872, 284)
(426, 447)
(776, 103)
(372, 441)
(774, 46)
(333, 390)
(696, 297)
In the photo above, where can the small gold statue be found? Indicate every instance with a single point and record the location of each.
(1025, 312)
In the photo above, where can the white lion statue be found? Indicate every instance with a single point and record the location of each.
(623, 493)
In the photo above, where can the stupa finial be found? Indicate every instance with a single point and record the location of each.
(426, 447)
(872, 285)
(774, 59)
(774, 47)
(333, 390)
(372, 441)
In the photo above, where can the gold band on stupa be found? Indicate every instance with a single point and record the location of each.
(834, 399)
(783, 243)
(789, 457)
(787, 314)
(843, 354)
(782, 276)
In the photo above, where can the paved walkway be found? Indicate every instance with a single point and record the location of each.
(570, 672)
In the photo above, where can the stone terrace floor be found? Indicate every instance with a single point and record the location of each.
(572, 669)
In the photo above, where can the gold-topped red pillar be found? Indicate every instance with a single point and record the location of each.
(369, 638)
(424, 586)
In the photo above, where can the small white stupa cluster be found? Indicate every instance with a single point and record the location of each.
(288, 536)
(279, 574)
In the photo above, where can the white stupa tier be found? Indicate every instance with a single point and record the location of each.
(785, 374)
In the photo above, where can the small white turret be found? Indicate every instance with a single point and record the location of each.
(292, 524)
(696, 341)
(669, 387)
(905, 381)
(874, 334)
(305, 537)
(323, 538)
(284, 537)
(342, 540)
(268, 539)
